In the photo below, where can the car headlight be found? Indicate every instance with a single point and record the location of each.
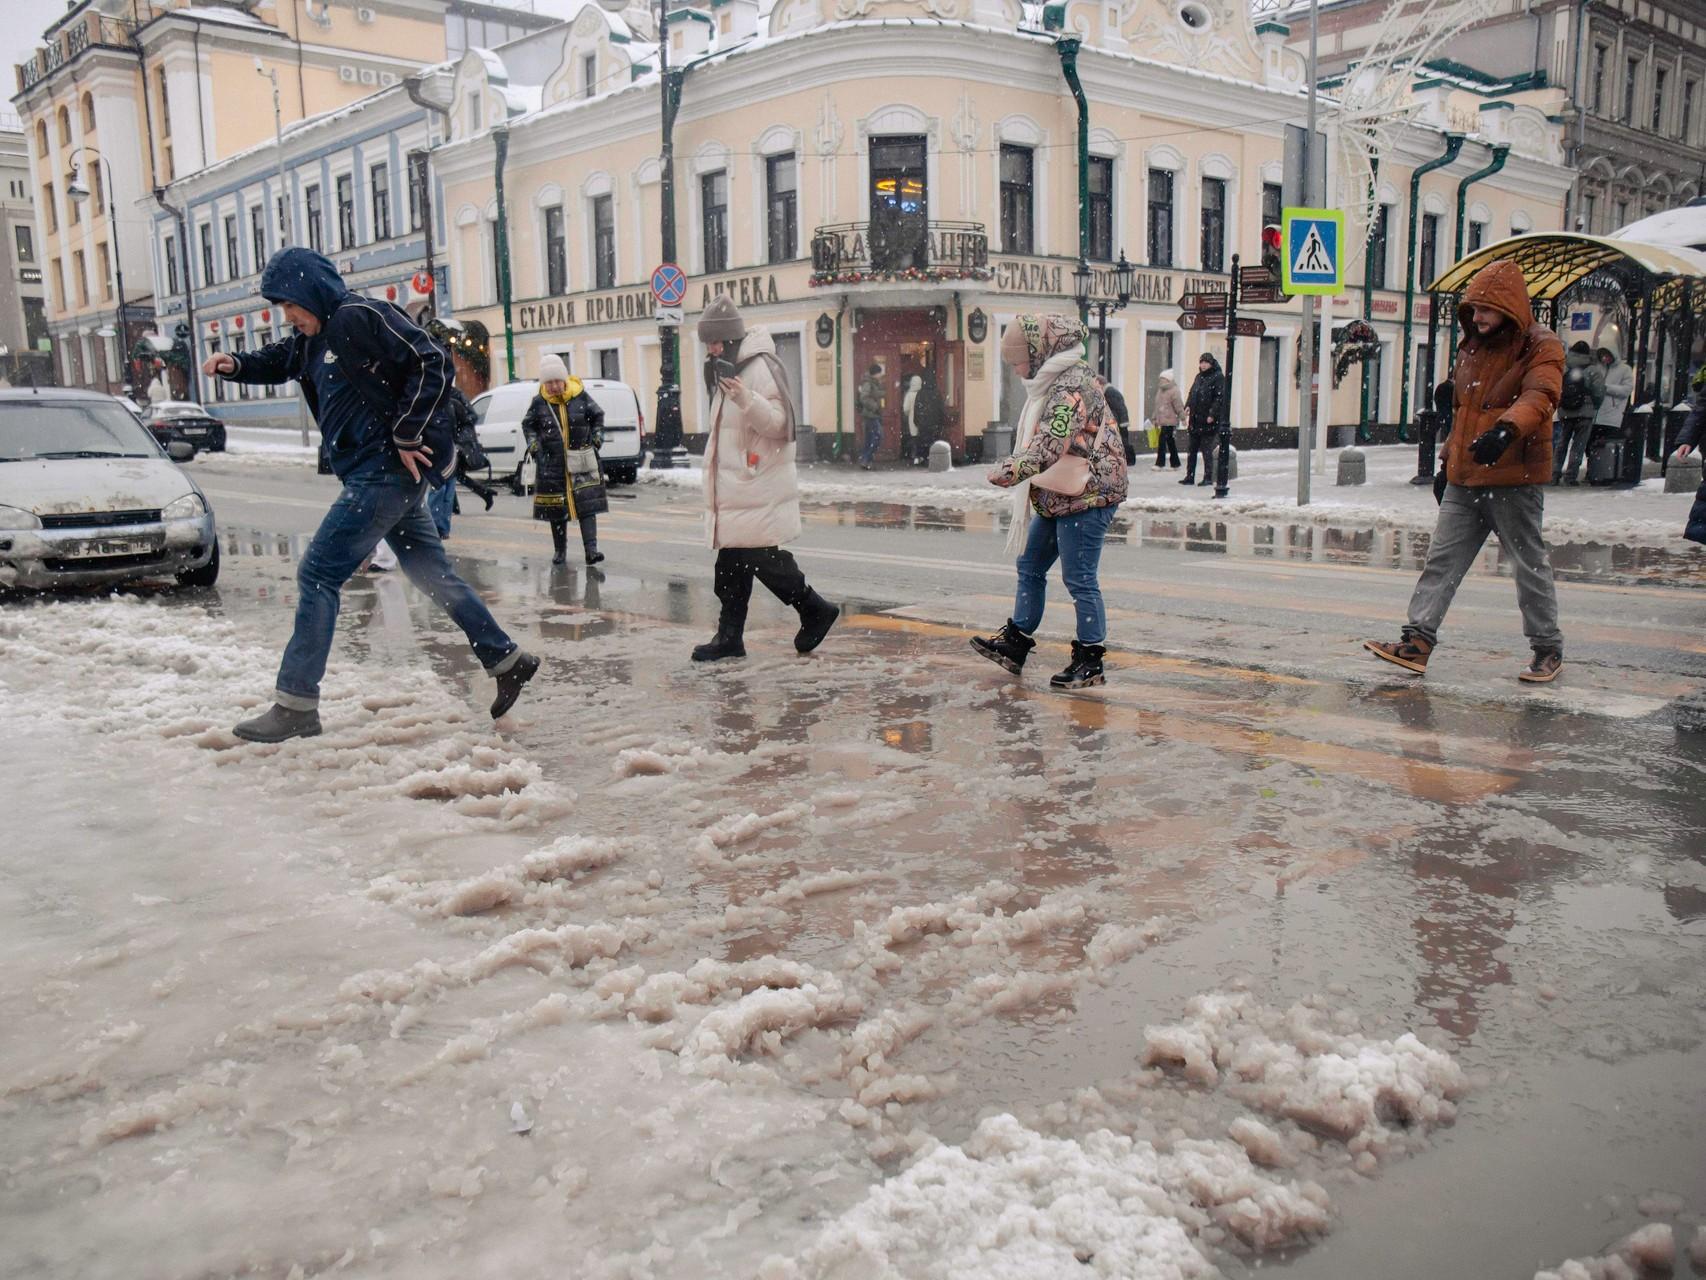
(15, 518)
(187, 507)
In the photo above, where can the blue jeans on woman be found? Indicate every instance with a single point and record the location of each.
(1076, 541)
(372, 506)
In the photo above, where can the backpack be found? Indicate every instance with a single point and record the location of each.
(1575, 393)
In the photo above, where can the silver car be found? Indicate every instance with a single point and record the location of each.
(88, 497)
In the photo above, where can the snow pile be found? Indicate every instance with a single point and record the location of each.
(1116, 943)
(174, 679)
(518, 883)
(760, 1021)
(1362, 1092)
(1651, 1248)
(1012, 1204)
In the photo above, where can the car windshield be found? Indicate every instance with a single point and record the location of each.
(180, 411)
(90, 429)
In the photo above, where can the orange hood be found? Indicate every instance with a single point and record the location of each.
(1502, 286)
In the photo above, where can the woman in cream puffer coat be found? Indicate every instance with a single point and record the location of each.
(752, 490)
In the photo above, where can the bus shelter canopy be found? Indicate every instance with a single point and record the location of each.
(1553, 262)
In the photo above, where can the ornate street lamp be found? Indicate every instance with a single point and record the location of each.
(1082, 281)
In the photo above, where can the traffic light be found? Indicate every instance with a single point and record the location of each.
(1271, 256)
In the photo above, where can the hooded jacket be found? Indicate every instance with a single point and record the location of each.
(1203, 404)
(1514, 376)
(1169, 408)
(1072, 416)
(752, 490)
(399, 373)
(1619, 382)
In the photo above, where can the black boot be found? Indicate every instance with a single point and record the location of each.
(1008, 647)
(727, 643)
(817, 616)
(511, 681)
(1084, 670)
(279, 723)
(559, 543)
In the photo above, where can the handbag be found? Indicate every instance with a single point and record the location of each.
(1070, 474)
(587, 494)
(581, 462)
(1154, 433)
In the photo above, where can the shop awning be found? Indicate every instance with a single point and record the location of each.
(1555, 261)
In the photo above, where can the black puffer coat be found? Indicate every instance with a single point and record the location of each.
(583, 422)
(1203, 404)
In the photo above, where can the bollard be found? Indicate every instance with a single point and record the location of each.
(941, 456)
(1683, 474)
(1353, 466)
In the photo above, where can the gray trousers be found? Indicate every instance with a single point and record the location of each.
(1571, 442)
(1466, 517)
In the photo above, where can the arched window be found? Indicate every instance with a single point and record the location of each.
(64, 127)
(88, 113)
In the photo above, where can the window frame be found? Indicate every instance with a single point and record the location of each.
(1101, 208)
(379, 195)
(781, 208)
(556, 250)
(1427, 248)
(169, 245)
(343, 196)
(258, 233)
(207, 258)
(1017, 199)
(1212, 219)
(1631, 86)
(603, 238)
(233, 247)
(417, 167)
(714, 221)
(1660, 76)
(23, 241)
(1160, 215)
(314, 214)
(1380, 243)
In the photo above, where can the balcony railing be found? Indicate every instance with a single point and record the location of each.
(903, 247)
(93, 29)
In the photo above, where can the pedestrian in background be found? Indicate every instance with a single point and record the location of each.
(1122, 415)
(1497, 461)
(1068, 476)
(1169, 412)
(909, 417)
(1619, 383)
(1578, 405)
(930, 413)
(375, 384)
(563, 422)
(1693, 429)
(1203, 408)
(752, 489)
(869, 399)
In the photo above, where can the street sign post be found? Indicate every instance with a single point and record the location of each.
(1203, 301)
(1257, 284)
(669, 315)
(1249, 327)
(1202, 320)
(1312, 243)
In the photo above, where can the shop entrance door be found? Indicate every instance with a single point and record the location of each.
(907, 344)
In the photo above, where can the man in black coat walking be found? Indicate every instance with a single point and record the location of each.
(1122, 415)
(1203, 409)
(375, 383)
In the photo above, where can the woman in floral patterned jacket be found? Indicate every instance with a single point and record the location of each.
(1064, 414)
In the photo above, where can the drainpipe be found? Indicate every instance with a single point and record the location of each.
(1453, 145)
(500, 148)
(1068, 47)
(1500, 155)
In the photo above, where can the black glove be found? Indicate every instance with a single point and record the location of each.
(1488, 447)
(1439, 485)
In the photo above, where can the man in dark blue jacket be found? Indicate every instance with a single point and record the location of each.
(377, 385)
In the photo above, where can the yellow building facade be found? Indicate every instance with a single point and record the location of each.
(889, 183)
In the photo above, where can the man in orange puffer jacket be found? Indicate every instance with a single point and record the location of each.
(1498, 461)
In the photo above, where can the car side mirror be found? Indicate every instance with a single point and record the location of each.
(180, 450)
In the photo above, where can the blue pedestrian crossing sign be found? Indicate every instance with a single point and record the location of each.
(1312, 251)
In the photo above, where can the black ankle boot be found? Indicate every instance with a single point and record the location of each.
(1008, 647)
(727, 643)
(1084, 670)
(593, 554)
(559, 544)
(279, 723)
(817, 616)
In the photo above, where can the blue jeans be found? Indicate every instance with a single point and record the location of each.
(390, 506)
(1076, 541)
(873, 441)
(441, 502)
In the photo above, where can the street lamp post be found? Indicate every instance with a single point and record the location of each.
(1082, 280)
(75, 190)
(287, 226)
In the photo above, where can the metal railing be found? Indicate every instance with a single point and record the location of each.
(93, 30)
(903, 247)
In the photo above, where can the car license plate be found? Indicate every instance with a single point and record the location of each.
(95, 547)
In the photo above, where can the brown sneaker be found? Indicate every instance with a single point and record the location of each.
(1411, 653)
(1544, 669)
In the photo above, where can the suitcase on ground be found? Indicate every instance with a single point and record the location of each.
(1605, 461)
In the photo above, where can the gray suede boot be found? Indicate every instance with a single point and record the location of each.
(278, 724)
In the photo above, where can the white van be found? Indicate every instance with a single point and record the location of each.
(499, 412)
